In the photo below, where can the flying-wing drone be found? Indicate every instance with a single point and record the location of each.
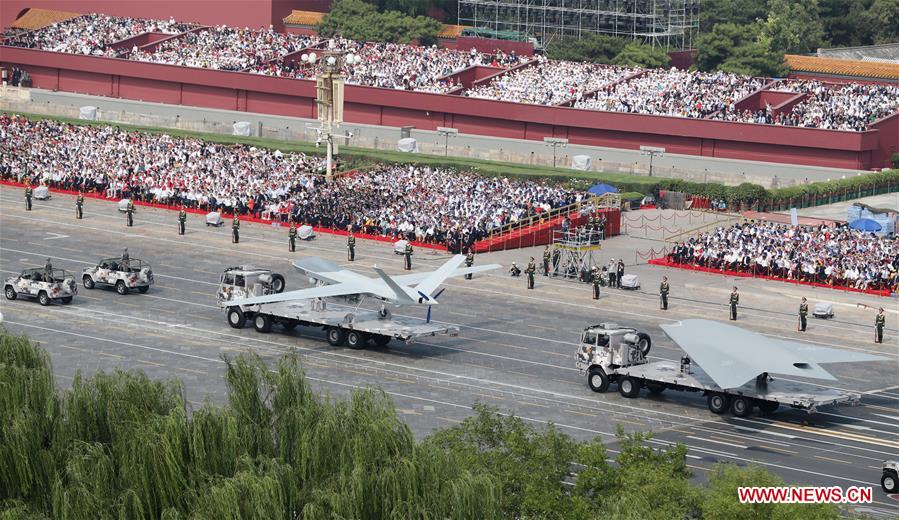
(334, 281)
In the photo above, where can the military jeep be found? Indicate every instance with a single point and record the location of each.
(111, 272)
(33, 282)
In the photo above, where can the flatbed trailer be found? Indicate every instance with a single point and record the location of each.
(609, 355)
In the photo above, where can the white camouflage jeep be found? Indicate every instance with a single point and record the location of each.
(110, 272)
(31, 283)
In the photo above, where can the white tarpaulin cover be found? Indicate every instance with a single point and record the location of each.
(244, 128)
(581, 162)
(305, 232)
(123, 204)
(87, 112)
(399, 246)
(407, 144)
(41, 193)
(214, 219)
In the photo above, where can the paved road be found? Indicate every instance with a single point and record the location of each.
(515, 350)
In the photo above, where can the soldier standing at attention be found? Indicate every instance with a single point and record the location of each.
(235, 230)
(350, 244)
(596, 279)
(469, 261)
(547, 257)
(879, 323)
(734, 301)
(129, 213)
(407, 253)
(28, 194)
(663, 293)
(803, 313)
(531, 269)
(79, 206)
(292, 237)
(182, 220)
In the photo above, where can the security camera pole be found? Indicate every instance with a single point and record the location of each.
(329, 88)
(446, 133)
(651, 151)
(555, 142)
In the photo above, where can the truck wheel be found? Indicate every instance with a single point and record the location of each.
(336, 336)
(262, 322)
(277, 283)
(43, 298)
(10, 292)
(629, 386)
(597, 380)
(67, 299)
(718, 403)
(143, 289)
(644, 343)
(741, 406)
(87, 282)
(768, 406)
(381, 340)
(889, 482)
(655, 388)
(236, 318)
(355, 339)
(120, 288)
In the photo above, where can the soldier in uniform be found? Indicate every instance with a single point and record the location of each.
(469, 261)
(613, 274)
(28, 194)
(596, 279)
(129, 213)
(126, 260)
(407, 257)
(547, 258)
(292, 237)
(79, 206)
(620, 272)
(235, 230)
(350, 245)
(531, 269)
(734, 301)
(879, 323)
(664, 288)
(182, 220)
(48, 271)
(803, 314)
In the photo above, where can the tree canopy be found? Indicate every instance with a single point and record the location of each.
(739, 49)
(636, 54)
(359, 20)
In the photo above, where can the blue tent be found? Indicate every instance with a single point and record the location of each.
(866, 224)
(602, 189)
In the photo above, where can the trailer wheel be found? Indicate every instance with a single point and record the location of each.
(381, 340)
(655, 388)
(598, 380)
(768, 406)
(10, 292)
(742, 406)
(889, 482)
(262, 322)
(336, 336)
(277, 283)
(629, 386)
(718, 403)
(120, 288)
(87, 282)
(644, 343)
(43, 298)
(236, 318)
(355, 339)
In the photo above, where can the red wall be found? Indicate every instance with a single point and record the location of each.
(249, 92)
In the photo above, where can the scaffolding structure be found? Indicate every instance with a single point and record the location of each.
(669, 24)
(572, 252)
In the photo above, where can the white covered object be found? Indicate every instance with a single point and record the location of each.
(42, 193)
(214, 218)
(305, 233)
(581, 162)
(244, 128)
(407, 144)
(400, 247)
(630, 281)
(87, 112)
(823, 310)
(123, 204)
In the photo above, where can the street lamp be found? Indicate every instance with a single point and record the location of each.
(446, 133)
(329, 88)
(555, 142)
(651, 151)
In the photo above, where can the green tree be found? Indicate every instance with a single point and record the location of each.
(359, 20)
(794, 26)
(639, 55)
(717, 45)
(756, 59)
(883, 19)
(844, 22)
(595, 48)
(737, 12)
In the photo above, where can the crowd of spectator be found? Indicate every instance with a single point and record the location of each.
(850, 107)
(549, 82)
(837, 256)
(93, 34)
(428, 204)
(678, 93)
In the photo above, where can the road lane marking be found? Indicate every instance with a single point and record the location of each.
(832, 460)
(726, 443)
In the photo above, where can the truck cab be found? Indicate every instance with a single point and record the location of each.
(606, 347)
(246, 281)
